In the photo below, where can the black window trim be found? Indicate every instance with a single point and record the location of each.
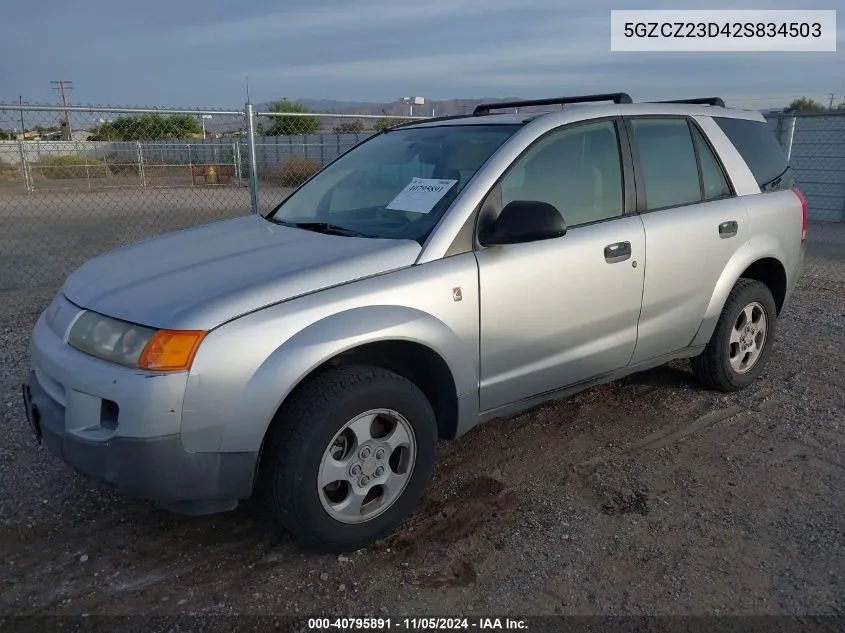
(629, 206)
(639, 177)
(697, 161)
(731, 189)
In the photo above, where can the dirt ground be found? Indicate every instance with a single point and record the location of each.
(649, 496)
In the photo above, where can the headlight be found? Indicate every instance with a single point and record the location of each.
(134, 345)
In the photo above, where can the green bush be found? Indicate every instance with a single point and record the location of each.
(384, 124)
(73, 167)
(296, 170)
(291, 125)
(148, 127)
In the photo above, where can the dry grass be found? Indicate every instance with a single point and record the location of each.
(73, 167)
(8, 172)
(296, 170)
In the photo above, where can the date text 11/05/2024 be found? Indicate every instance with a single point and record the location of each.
(416, 624)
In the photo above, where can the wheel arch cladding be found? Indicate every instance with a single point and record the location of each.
(771, 272)
(412, 360)
(392, 337)
(764, 268)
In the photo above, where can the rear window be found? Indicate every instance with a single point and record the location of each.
(756, 143)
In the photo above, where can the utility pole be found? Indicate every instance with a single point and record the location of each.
(830, 104)
(23, 129)
(62, 86)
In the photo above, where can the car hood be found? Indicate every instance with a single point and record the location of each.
(202, 277)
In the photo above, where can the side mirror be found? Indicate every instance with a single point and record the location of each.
(524, 221)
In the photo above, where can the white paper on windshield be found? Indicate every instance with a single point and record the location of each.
(421, 195)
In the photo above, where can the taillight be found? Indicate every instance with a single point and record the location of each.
(803, 213)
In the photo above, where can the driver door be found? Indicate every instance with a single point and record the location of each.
(561, 311)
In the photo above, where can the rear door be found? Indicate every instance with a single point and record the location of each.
(694, 223)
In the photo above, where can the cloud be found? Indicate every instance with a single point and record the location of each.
(351, 16)
(165, 53)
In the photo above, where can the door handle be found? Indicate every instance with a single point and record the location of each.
(728, 229)
(618, 252)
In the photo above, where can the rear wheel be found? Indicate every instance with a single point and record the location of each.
(741, 344)
(349, 456)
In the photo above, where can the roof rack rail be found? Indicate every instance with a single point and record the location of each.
(616, 97)
(712, 101)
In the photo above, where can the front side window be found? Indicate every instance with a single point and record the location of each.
(396, 185)
(576, 169)
(667, 161)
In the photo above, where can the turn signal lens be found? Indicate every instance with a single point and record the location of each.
(171, 350)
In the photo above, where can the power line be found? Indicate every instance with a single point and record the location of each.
(63, 85)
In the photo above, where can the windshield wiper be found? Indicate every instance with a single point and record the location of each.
(323, 227)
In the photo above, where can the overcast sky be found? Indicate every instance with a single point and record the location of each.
(197, 54)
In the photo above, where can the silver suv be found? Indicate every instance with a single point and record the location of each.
(437, 275)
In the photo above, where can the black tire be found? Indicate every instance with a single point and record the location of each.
(303, 430)
(712, 367)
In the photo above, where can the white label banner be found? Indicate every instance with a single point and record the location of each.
(723, 30)
(421, 195)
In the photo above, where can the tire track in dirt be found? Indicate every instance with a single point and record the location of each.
(444, 539)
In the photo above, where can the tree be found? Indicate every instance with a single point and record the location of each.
(805, 104)
(148, 127)
(5, 136)
(291, 125)
(383, 124)
(346, 127)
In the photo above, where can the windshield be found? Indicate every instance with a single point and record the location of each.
(396, 185)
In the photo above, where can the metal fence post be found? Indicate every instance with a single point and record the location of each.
(27, 176)
(141, 165)
(236, 162)
(190, 165)
(253, 166)
(791, 138)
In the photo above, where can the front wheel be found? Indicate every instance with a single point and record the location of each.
(349, 456)
(741, 344)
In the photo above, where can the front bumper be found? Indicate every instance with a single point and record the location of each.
(122, 427)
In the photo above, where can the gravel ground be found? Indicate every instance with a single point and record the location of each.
(651, 495)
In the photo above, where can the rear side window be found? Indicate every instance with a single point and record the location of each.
(756, 143)
(667, 160)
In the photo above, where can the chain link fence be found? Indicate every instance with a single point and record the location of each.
(78, 181)
(815, 144)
